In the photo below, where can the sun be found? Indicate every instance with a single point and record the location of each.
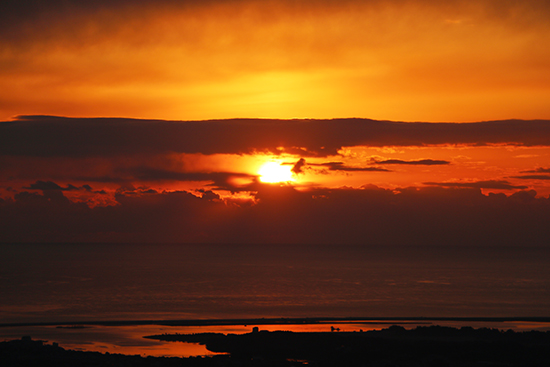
(273, 172)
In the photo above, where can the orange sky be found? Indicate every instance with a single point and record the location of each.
(397, 60)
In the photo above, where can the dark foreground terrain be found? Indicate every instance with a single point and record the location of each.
(395, 346)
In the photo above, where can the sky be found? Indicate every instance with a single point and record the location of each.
(384, 122)
(422, 60)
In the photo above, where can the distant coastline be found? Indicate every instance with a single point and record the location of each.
(281, 321)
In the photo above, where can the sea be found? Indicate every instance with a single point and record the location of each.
(50, 291)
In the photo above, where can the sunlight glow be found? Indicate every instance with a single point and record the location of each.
(273, 172)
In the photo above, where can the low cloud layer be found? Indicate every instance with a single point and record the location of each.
(416, 216)
(46, 136)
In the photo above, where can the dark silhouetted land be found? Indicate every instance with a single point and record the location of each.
(394, 346)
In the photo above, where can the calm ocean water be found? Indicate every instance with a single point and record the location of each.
(90, 282)
(57, 283)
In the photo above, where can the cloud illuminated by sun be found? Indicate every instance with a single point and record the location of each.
(273, 172)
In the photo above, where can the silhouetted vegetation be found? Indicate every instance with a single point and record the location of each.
(31, 353)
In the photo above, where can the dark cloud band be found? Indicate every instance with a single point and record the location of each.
(421, 162)
(413, 216)
(48, 136)
(489, 184)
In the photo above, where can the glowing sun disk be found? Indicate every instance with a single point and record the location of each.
(272, 172)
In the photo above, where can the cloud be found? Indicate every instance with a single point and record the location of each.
(538, 176)
(538, 170)
(533, 177)
(421, 162)
(47, 136)
(415, 216)
(232, 181)
(334, 166)
(28, 17)
(298, 166)
(490, 184)
(210, 195)
(221, 180)
(49, 185)
(340, 166)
